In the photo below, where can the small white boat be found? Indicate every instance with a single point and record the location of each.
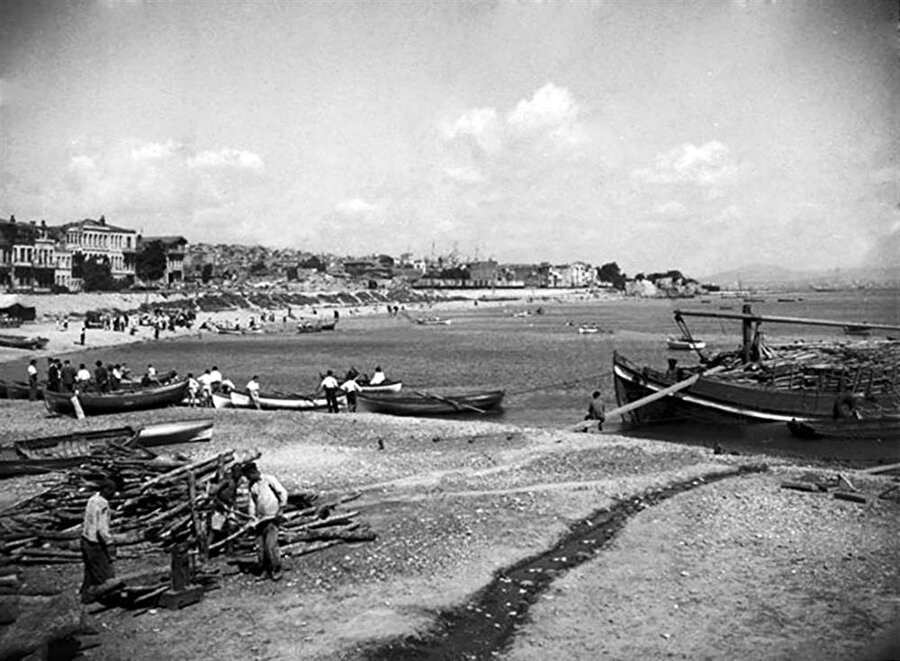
(588, 329)
(384, 386)
(676, 343)
(180, 431)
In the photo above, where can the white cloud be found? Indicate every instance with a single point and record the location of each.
(670, 208)
(550, 109)
(152, 150)
(226, 157)
(355, 207)
(707, 165)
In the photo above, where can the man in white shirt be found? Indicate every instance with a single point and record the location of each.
(377, 378)
(253, 390)
(32, 380)
(267, 499)
(351, 388)
(331, 386)
(97, 542)
(82, 377)
(205, 388)
(215, 378)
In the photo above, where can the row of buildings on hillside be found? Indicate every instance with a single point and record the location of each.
(43, 258)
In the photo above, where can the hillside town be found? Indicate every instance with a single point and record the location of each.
(95, 255)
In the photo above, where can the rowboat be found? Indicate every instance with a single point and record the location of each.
(431, 321)
(224, 330)
(677, 343)
(759, 383)
(93, 403)
(240, 399)
(384, 386)
(588, 330)
(884, 428)
(40, 455)
(19, 390)
(858, 330)
(21, 342)
(425, 403)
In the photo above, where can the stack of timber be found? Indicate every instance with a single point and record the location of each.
(163, 503)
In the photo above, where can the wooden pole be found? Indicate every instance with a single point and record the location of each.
(758, 318)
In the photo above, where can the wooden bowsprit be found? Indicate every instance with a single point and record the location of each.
(659, 394)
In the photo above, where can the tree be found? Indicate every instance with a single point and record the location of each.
(97, 275)
(610, 273)
(206, 273)
(150, 263)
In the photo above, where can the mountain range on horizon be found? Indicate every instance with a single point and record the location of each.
(773, 275)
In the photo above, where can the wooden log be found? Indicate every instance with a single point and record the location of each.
(886, 468)
(195, 466)
(849, 495)
(800, 486)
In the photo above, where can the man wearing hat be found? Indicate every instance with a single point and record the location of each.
(267, 499)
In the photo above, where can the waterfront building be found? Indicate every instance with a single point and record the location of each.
(102, 242)
(174, 248)
(27, 256)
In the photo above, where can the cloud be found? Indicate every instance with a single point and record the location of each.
(356, 207)
(226, 158)
(707, 165)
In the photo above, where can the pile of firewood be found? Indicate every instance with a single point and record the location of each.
(161, 503)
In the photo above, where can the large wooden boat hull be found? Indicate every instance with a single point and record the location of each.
(49, 453)
(885, 428)
(713, 400)
(19, 390)
(118, 401)
(21, 342)
(426, 404)
(240, 399)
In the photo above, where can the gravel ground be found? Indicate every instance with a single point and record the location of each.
(736, 569)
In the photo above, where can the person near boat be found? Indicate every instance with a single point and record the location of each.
(115, 377)
(378, 377)
(101, 377)
(267, 499)
(253, 390)
(67, 376)
(596, 410)
(223, 520)
(193, 389)
(672, 372)
(82, 377)
(97, 549)
(215, 378)
(32, 379)
(205, 381)
(330, 386)
(53, 376)
(351, 388)
(150, 377)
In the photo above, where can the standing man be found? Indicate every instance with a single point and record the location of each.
(253, 390)
(53, 376)
(67, 376)
(351, 388)
(331, 386)
(101, 377)
(32, 380)
(267, 498)
(97, 542)
(82, 377)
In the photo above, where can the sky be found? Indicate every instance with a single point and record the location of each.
(701, 135)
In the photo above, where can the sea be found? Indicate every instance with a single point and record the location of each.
(529, 348)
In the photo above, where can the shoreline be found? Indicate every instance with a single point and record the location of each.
(52, 309)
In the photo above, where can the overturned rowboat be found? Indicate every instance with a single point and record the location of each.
(427, 404)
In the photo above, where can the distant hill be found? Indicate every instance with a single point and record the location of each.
(767, 275)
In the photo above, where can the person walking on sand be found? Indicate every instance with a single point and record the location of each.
(331, 386)
(596, 410)
(351, 388)
(67, 376)
(32, 370)
(97, 547)
(267, 499)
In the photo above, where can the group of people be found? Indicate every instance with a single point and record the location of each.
(351, 387)
(62, 376)
(265, 506)
(201, 388)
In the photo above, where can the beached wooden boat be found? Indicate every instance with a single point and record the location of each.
(240, 399)
(225, 330)
(384, 386)
(431, 321)
(883, 428)
(588, 330)
(761, 384)
(426, 403)
(681, 343)
(93, 403)
(857, 330)
(48, 453)
(22, 342)
(19, 390)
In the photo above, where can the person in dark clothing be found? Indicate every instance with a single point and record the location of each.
(97, 543)
(331, 387)
(53, 376)
(223, 522)
(596, 410)
(67, 376)
(101, 377)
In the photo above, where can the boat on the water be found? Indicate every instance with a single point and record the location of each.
(22, 342)
(588, 329)
(858, 330)
(760, 383)
(48, 453)
(119, 401)
(886, 428)
(427, 403)
(681, 343)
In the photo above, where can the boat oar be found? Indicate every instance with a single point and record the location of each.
(665, 392)
(456, 404)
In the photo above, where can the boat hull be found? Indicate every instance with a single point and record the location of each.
(865, 429)
(179, 431)
(384, 386)
(433, 405)
(683, 344)
(713, 400)
(271, 402)
(119, 401)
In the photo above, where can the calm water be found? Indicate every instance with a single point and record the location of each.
(546, 367)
